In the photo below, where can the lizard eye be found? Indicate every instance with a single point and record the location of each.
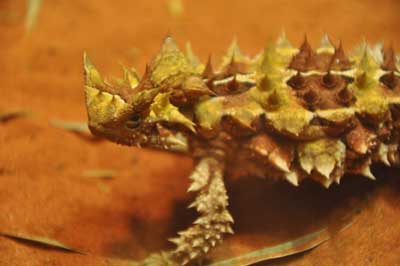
(133, 121)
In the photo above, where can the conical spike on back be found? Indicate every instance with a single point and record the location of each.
(233, 50)
(367, 63)
(389, 62)
(283, 42)
(192, 58)
(377, 52)
(208, 72)
(284, 47)
(358, 52)
(305, 47)
(232, 68)
(305, 59)
(325, 45)
(268, 61)
(339, 60)
(234, 54)
(273, 61)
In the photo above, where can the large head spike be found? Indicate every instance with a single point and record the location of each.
(102, 106)
(170, 65)
(92, 75)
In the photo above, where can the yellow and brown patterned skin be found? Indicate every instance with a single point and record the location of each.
(285, 114)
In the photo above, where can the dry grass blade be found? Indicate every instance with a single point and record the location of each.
(80, 127)
(100, 173)
(291, 247)
(41, 242)
(6, 116)
(32, 13)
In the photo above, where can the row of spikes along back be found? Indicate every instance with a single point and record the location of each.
(328, 68)
(328, 61)
(321, 82)
(372, 67)
(306, 60)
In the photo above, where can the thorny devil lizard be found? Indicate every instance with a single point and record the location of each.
(286, 114)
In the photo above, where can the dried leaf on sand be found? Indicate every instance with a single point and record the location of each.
(42, 242)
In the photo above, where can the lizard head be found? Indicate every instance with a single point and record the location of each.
(154, 111)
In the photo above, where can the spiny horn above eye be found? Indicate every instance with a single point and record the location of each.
(102, 106)
(92, 75)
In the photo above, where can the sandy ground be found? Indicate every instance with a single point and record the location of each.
(44, 193)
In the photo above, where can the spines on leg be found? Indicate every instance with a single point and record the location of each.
(214, 221)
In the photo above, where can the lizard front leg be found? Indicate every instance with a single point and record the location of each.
(211, 203)
(206, 231)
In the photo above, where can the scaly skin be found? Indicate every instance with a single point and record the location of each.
(286, 114)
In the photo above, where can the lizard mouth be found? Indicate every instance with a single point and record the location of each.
(158, 135)
(167, 137)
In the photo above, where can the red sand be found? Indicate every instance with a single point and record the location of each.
(43, 192)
